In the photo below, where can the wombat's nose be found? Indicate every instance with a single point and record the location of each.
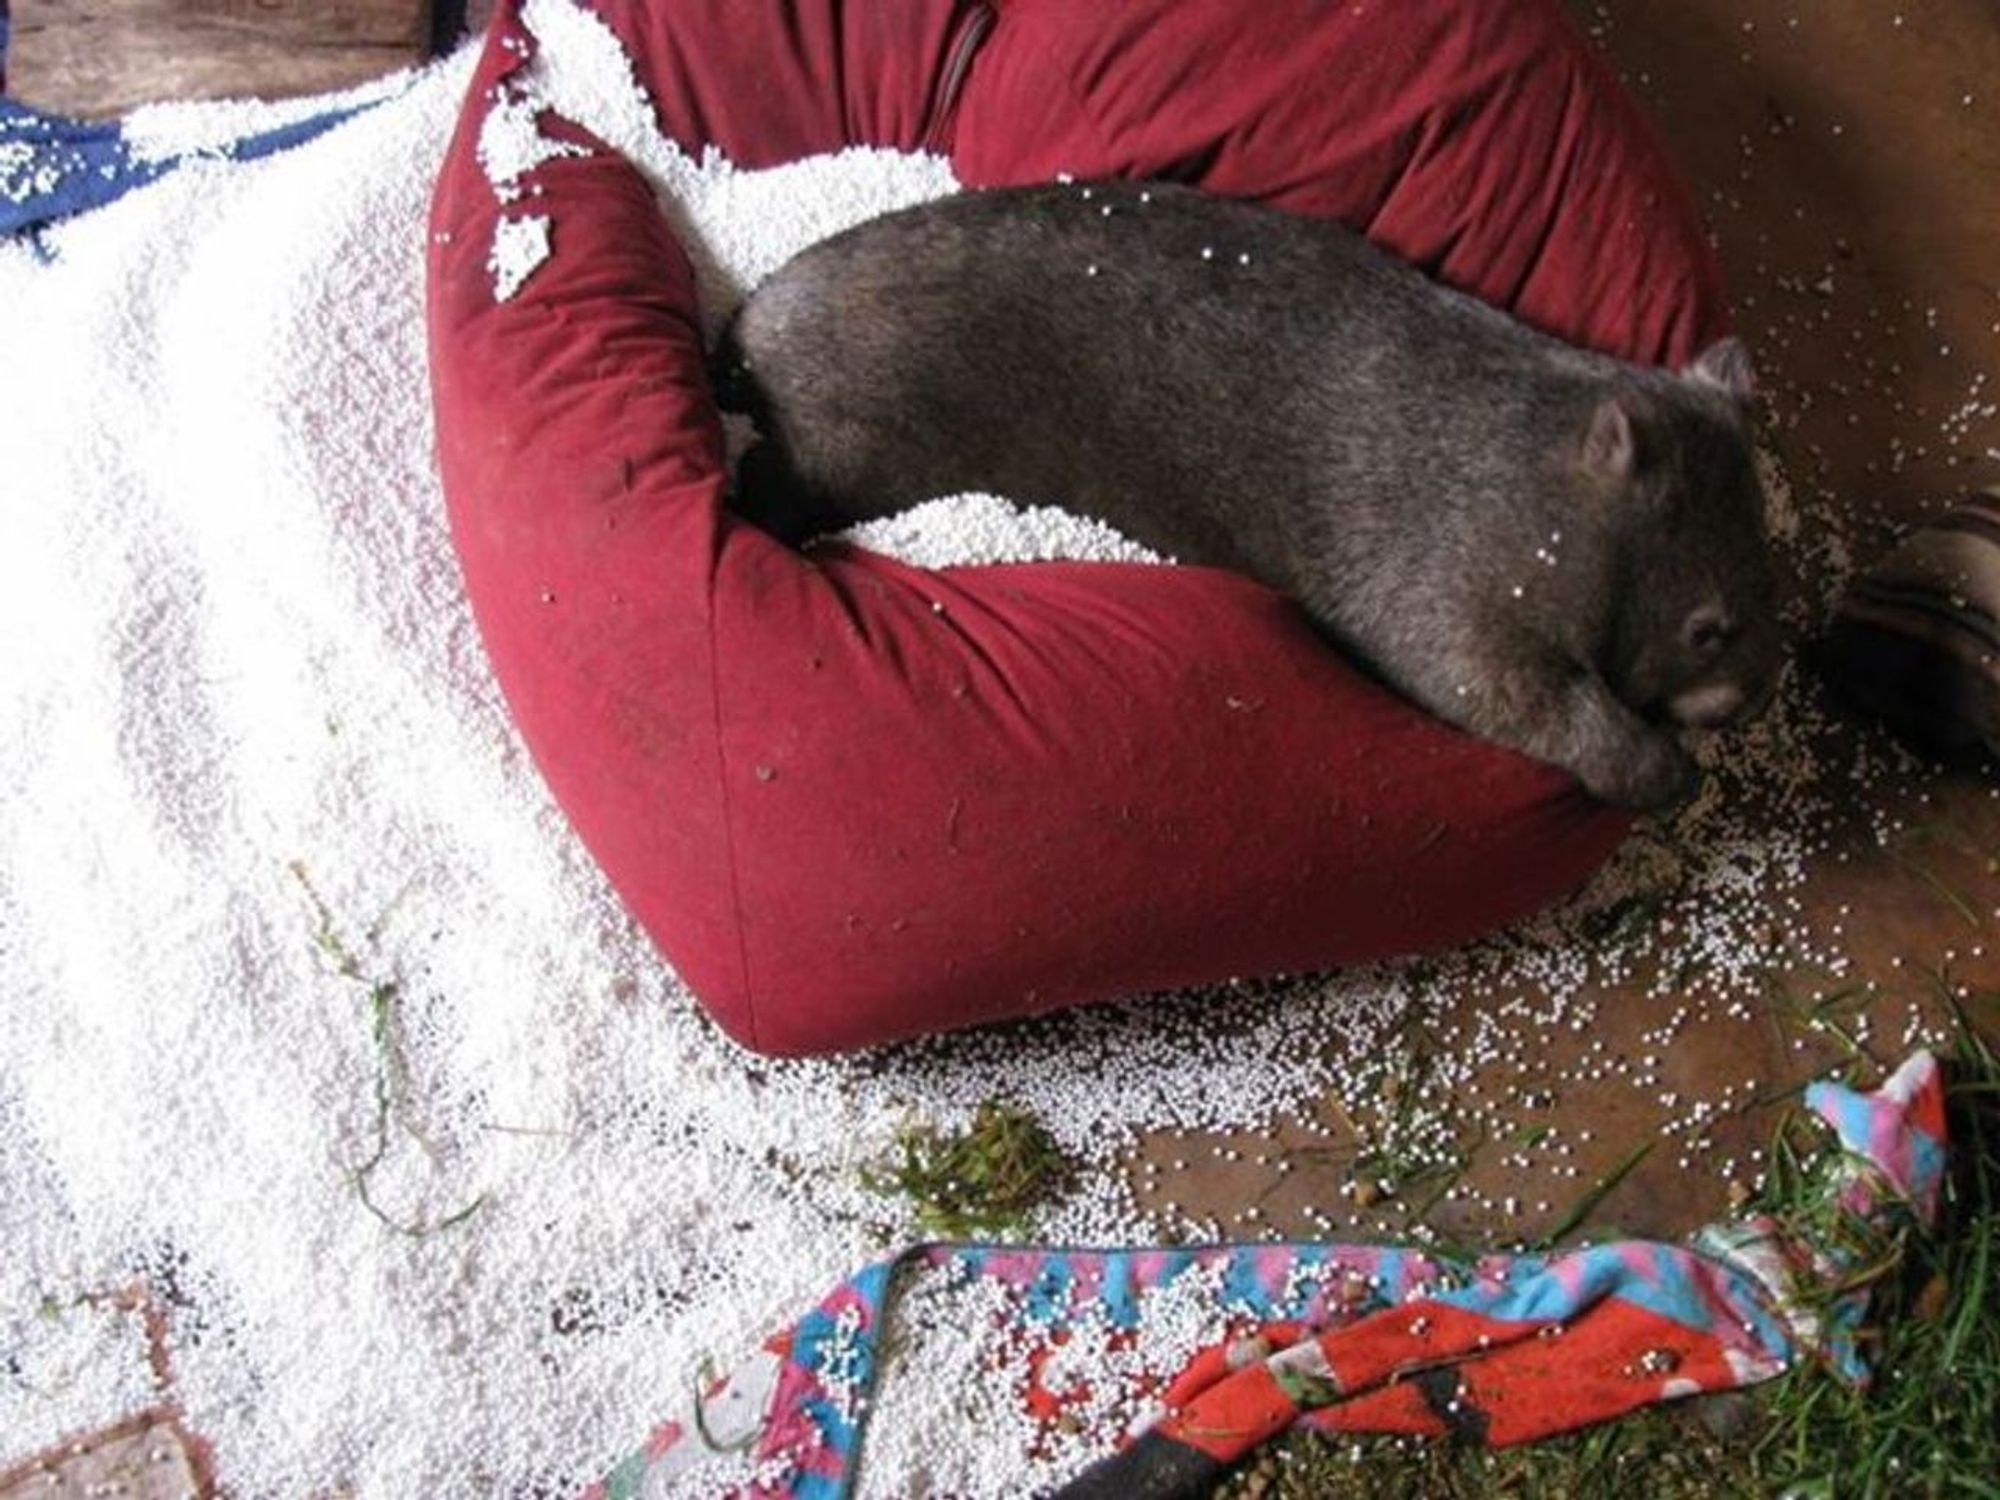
(1709, 706)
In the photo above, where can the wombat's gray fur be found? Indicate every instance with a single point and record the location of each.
(1557, 551)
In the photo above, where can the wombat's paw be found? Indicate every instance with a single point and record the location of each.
(1649, 774)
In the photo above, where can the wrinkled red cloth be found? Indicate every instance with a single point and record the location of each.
(853, 800)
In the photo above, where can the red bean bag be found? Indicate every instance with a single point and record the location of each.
(854, 800)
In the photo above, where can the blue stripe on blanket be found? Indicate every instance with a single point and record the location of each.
(52, 167)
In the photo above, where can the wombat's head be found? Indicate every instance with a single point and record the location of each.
(1695, 636)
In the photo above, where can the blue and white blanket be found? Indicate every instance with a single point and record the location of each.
(52, 166)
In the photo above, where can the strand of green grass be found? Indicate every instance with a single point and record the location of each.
(1937, 883)
(1587, 1202)
(391, 1070)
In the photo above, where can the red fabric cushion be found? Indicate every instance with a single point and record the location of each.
(853, 800)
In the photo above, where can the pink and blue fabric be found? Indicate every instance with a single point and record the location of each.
(1357, 1338)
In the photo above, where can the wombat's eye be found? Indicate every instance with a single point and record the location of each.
(1709, 630)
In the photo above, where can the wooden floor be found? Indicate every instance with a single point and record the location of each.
(102, 57)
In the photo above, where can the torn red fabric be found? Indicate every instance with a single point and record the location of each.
(854, 800)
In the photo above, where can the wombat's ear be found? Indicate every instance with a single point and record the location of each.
(1726, 365)
(1607, 442)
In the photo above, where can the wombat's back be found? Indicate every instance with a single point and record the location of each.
(1141, 352)
(1550, 548)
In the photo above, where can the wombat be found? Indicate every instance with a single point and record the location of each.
(1552, 549)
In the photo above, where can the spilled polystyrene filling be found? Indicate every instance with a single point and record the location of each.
(268, 839)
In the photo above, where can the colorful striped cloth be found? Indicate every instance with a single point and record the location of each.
(1346, 1338)
(1915, 639)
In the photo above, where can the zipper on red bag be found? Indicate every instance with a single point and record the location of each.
(958, 61)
